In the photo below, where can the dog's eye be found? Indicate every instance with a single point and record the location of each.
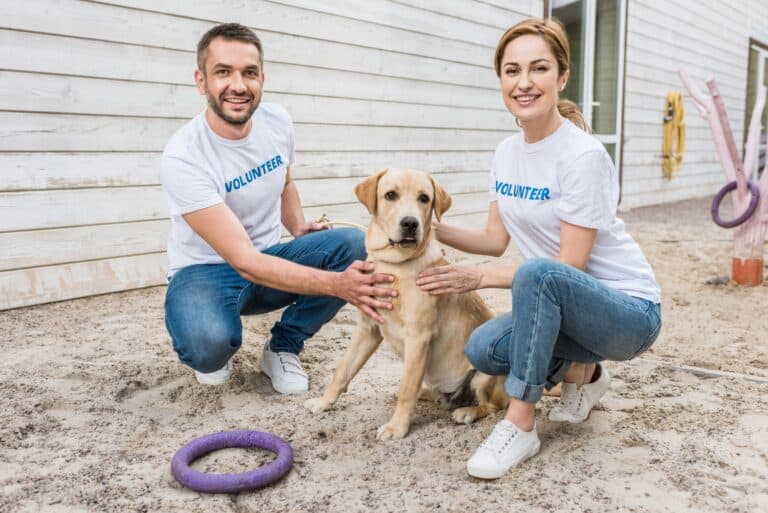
(390, 196)
(423, 198)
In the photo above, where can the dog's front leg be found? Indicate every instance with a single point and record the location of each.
(366, 339)
(415, 363)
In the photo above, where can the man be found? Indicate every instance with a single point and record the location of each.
(227, 178)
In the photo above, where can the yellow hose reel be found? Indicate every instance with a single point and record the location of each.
(673, 141)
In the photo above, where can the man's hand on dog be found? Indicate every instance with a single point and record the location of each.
(357, 286)
(449, 279)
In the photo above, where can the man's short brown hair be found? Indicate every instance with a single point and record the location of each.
(231, 32)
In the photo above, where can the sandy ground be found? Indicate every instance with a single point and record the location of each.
(93, 405)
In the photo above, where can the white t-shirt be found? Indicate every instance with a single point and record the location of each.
(568, 176)
(201, 169)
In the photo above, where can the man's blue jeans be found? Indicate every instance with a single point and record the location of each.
(204, 303)
(559, 315)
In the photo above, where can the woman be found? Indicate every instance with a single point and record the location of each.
(585, 293)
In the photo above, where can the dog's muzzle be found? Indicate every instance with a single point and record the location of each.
(409, 227)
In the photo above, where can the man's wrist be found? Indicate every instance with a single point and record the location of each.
(328, 282)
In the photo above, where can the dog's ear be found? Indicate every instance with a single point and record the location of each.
(367, 189)
(442, 200)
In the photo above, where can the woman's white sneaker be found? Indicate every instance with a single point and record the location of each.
(217, 377)
(506, 447)
(285, 371)
(576, 401)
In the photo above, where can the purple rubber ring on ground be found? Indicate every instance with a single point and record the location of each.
(715, 210)
(231, 483)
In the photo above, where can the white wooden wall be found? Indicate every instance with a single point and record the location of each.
(708, 39)
(91, 91)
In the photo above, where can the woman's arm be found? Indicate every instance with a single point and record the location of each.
(576, 244)
(575, 247)
(491, 240)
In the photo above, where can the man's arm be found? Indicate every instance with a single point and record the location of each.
(291, 213)
(220, 228)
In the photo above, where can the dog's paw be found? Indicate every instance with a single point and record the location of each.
(465, 415)
(391, 431)
(317, 405)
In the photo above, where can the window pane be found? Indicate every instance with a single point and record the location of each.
(606, 77)
(753, 79)
(570, 16)
(611, 149)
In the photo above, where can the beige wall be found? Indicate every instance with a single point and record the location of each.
(90, 93)
(708, 39)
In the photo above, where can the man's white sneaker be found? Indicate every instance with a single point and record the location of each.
(576, 401)
(285, 371)
(506, 447)
(217, 377)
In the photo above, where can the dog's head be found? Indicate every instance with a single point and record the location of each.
(401, 202)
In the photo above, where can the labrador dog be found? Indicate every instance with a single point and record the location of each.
(427, 332)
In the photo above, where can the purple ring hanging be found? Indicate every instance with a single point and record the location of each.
(231, 483)
(715, 210)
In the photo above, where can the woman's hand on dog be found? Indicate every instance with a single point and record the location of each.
(357, 286)
(449, 279)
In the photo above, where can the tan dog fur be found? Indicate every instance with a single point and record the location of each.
(427, 332)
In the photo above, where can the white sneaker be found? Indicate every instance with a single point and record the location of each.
(576, 401)
(217, 377)
(285, 371)
(506, 447)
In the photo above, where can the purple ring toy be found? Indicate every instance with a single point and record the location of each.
(231, 483)
(715, 210)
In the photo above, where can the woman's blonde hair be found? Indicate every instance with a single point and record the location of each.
(553, 33)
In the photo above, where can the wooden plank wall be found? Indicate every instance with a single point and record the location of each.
(91, 91)
(707, 39)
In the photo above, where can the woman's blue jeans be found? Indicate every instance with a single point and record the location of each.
(204, 303)
(559, 315)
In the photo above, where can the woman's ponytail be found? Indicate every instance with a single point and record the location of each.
(571, 112)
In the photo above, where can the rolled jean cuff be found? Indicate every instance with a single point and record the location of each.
(521, 390)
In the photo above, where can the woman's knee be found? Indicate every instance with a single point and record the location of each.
(479, 350)
(534, 271)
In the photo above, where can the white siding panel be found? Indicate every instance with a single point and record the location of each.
(37, 248)
(493, 16)
(58, 208)
(58, 282)
(22, 132)
(288, 49)
(405, 17)
(30, 171)
(51, 54)
(38, 171)
(63, 94)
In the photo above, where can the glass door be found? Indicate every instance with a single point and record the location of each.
(757, 74)
(596, 36)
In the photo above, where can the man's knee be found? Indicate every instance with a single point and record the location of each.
(354, 242)
(206, 348)
(349, 246)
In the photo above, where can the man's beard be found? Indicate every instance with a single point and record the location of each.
(216, 106)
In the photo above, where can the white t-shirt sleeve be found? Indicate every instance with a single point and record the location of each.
(291, 146)
(586, 196)
(187, 187)
(492, 185)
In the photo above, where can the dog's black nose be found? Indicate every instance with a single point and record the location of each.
(409, 224)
